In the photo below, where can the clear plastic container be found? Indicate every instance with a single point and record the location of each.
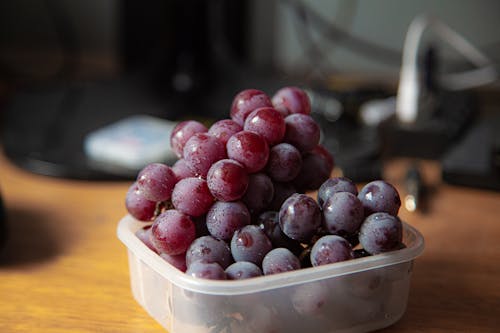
(358, 295)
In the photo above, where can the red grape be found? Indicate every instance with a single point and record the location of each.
(156, 181)
(138, 206)
(380, 196)
(181, 134)
(227, 180)
(192, 196)
(259, 194)
(250, 149)
(302, 131)
(224, 218)
(224, 129)
(300, 217)
(285, 162)
(330, 249)
(250, 243)
(243, 270)
(172, 232)
(292, 100)
(279, 260)
(201, 151)
(245, 102)
(209, 249)
(267, 122)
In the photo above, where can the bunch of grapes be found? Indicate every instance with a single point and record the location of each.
(234, 205)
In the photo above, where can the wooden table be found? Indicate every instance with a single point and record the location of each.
(64, 270)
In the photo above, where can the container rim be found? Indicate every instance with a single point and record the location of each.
(128, 225)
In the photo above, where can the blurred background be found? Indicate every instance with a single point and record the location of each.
(71, 68)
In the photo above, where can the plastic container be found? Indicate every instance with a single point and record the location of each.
(358, 295)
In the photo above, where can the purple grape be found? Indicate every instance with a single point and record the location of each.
(302, 131)
(181, 169)
(282, 191)
(138, 206)
(250, 243)
(315, 170)
(156, 181)
(192, 196)
(292, 100)
(245, 102)
(243, 270)
(269, 223)
(178, 261)
(172, 232)
(279, 260)
(250, 149)
(285, 162)
(310, 299)
(224, 129)
(381, 232)
(380, 196)
(259, 194)
(300, 217)
(144, 234)
(209, 249)
(334, 185)
(224, 218)
(201, 151)
(181, 134)
(343, 214)
(330, 249)
(227, 180)
(267, 122)
(206, 270)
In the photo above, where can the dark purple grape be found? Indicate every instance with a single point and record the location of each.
(200, 225)
(330, 249)
(259, 194)
(285, 162)
(181, 134)
(227, 180)
(380, 196)
(209, 249)
(178, 261)
(224, 129)
(267, 122)
(245, 102)
(224, 218)
(206, 270)
(302, 131)
(201, 151)
(334, 185)
(144, 234)
(343, 213)
(292, 100)
(250, 243)
(156, 181)
(172, 232)
(242, 270)
(250, 149)
(282, 191)
(315, 170)
(192, 196)
(279, 260)
(300, 217)
(138, 206)
(269, 223)
(381, 232)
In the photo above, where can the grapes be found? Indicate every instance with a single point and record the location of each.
(259, 194)
(237, 203)
(192, 196)
(285, 162)
(380, 196)
(181, 134)
(250, 149)
(172, 232)
(138, 206)
(224, 129)
(209, 249)
(330, 249)
(302, 131)
(267, 122)
(227, 180)
(201, 151)
(156, 182)
(300, 217)
(381, 232)
(245, 102)
(242, 270)
(279, 260)
(206, 270)
(224, 218)
(333, 185)
(291, 100)
(343, 213)
(250, 243)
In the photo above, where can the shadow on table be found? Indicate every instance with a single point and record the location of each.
(31, 238)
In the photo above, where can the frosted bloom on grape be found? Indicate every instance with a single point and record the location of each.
(250, 149)
(227, 180)
(224, 218)
(181, 134)
(156, 181)
(245, 102)
(330, 249)
(138, 206)
(381, 232)
(267, 122)
(380, 196)
(292, 100)
(172, 232)
(192, 196)
(302, 131)
(224, 129)
(201, 151)
(279, 260)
